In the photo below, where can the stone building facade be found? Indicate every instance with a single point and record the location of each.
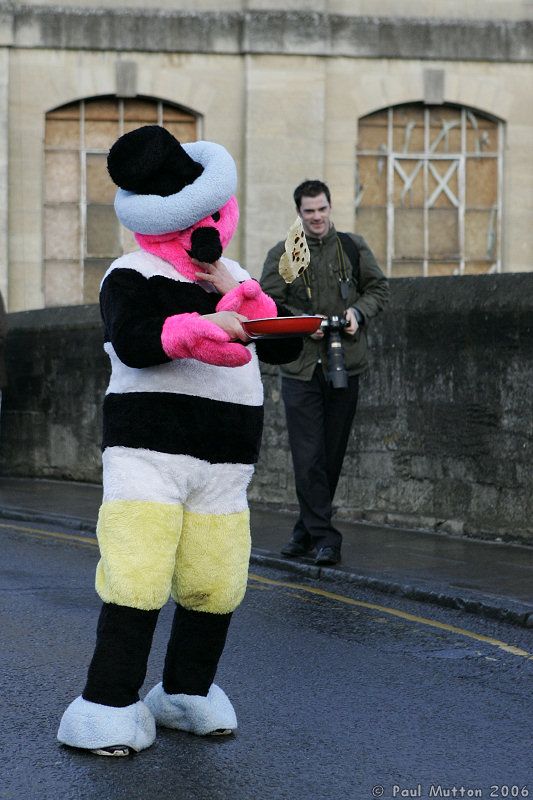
(418, 115)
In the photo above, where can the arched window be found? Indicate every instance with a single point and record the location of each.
(428, 189)
(81, 232)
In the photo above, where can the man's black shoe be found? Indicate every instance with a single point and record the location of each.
(327, 555)
(294, 549)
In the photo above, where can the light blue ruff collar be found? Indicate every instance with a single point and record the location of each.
(153, 214)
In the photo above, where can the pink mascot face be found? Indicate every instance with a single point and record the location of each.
(203, 241)
(224, 222)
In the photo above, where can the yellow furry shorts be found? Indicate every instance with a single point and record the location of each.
(172, 524)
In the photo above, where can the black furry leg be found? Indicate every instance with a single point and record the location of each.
(118, 667)
(194, 650)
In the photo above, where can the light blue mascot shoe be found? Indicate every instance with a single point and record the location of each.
(107, 730)
(205, 716)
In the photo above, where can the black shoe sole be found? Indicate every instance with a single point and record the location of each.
(291, 554)
(115, 751)
(327, 561)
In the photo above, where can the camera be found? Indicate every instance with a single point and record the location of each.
(332, 327)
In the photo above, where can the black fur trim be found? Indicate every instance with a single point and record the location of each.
(194, 650)
(118, 667)
(212, 430)
(134, 309)
(205, 245)
(149, 160)
(279, 351)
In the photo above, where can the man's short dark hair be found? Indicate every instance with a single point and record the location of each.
(310, 189)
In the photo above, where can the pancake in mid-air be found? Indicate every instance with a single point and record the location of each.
(296, 257)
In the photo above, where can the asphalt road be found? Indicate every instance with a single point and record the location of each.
(341, 694)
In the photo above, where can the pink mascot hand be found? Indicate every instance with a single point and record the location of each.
(248, 299)
(192, 336)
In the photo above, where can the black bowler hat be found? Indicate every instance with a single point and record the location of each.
(149, 160)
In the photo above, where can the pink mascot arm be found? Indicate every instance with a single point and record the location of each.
(248, 299)
(192, 336)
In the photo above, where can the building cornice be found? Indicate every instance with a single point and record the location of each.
(265, 32)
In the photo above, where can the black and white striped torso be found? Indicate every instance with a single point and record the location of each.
(172, 406)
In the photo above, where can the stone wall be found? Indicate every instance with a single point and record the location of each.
(443, 437)
(51, 409)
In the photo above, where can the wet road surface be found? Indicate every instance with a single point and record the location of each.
(341, 694)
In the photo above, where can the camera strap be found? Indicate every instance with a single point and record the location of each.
(351, 249)
(307, 283)
(343, 280)
(345, 246)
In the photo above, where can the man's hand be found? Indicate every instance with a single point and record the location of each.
(319, 334)
(353, 325)
(230, 322)
(217, 274)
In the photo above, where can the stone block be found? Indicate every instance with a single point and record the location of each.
(434, 86)
(126, 78)
(454, 526)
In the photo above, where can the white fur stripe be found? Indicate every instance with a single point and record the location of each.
(202, 488)
(184, 376)
(149, 266)
(238, 272)
(241, 385)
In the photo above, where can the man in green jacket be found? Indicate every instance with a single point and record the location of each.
(343, 280)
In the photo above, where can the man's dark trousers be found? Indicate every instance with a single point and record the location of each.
(319, 420)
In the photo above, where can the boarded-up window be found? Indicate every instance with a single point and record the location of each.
(81, 232)
(428, 189)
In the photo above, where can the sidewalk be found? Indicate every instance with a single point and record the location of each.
(491, 579)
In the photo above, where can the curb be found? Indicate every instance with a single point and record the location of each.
(23, 515)
(509, 611)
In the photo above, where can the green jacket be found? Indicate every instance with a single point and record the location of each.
(369, 295)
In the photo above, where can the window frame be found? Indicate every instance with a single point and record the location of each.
(83, 153)
(393, 158)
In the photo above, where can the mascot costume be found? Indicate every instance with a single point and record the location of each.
(183, 417)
